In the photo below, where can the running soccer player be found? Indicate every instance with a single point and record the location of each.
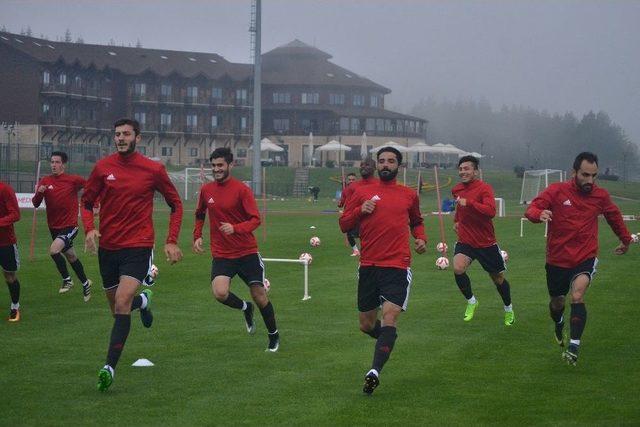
(126, 182)
(9, 257)
(367, 168)
(233, 215)
(60, 193)
(571, 210)
(473, 222)
(385, 211)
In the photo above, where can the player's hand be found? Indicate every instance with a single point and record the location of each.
(91, 241)
(172, 252)
(42, 188)
(226, 228)
(546, 215)
(461, 201)
(621, 249)
(368, 206)
(197, 246)
(420, 246)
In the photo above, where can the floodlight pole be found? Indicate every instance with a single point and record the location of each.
(257, 101)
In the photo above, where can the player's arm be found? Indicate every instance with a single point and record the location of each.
(92, 189)
(416, 224)
(201, 215)
(540, 208)
(251, 209)
(13, 210)
(165, 187)
(486, 205)
(613, 216)
(351, 215)
(39, 195)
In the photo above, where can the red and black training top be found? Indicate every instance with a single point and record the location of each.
(475, 220)
(384, 233)
(9, 213)
(572, 237)
(351, 188)
(61, 198)
(231, 201)
(125, 186)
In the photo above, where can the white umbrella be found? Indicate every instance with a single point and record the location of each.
(267, 145)
(474, 154)
(363, 146)
(334, 145)
(400, 148)
(421, 147)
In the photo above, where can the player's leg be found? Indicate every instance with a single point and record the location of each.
(55, 251)
(578, 317)
(461, 261)
(10, 263)
(351, 238)
(251, 271)
(368, 302)
(492, 262)
(558, 283)
(222, 271)
(78, 268)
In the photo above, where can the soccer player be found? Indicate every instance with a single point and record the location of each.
(385, 212)
(473, 222)
(126, 182)
(233, 215)
(367, 169)
(60, 193)
(571, 210)
(9, 257)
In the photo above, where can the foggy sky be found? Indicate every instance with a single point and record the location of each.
(553, 55)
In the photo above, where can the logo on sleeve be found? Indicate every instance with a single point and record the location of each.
(111, 177)
(567, 202)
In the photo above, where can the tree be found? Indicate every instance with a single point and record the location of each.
(67, 36)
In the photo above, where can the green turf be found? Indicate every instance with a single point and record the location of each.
(208, 371)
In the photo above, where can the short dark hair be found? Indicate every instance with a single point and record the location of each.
(390, 150)
(62, 154)
(223, 152)
(585, 155)
(471, 159)
(351, 174)
(126, 121)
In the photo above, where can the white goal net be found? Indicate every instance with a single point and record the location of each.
(534, 181)
(189, 181)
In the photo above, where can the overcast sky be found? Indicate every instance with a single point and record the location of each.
(554, 55)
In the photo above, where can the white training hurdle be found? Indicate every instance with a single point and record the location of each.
(305, 264)
(501, 210)
(523, 220)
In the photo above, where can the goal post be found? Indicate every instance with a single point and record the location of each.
(534, 181)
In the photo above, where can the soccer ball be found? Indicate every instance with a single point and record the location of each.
(266, 284)
(635, 238)
(505, 255)
(442, 263)
(314, 241)
(306, 257)
(153, 271)
(442, 247)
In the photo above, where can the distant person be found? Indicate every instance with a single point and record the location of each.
(233, 215)
(386, 213)
(571, 210)
(9, 256)
(314, 190)
(60, 193)
(126, 182)
(367, 169)
(473, 222)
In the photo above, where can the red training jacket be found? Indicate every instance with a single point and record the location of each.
(475, 220)
(9, 213)
(573, 231)
(61, 198)
(351, 188)
(126, 185)
(233, 202)
(384, 233)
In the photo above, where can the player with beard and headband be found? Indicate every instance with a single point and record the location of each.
(386, 213)
(126, 182)
(367, 169)
(233, 215)
(60, 194)
(571, 210)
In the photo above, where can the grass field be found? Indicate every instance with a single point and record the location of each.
(208, 371)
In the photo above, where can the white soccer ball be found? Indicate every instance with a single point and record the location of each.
(505, 255)
(153, 271)
(306, 257)
(266, 284)
(635, 238)
(442, 247)
(314, 241)
(442, 263)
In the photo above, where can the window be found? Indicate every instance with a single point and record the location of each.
(78, 81)
(241, 96)
(165, 90)
(387, 126)
(216, 93)
(214, 122)
(241, 152)
(62, 79)
(193, 152)
(45, 108)
(281, 98)
(139, 89)
(400, 125)
(165, 121)
(310, 98)
(192, 120)
(192, 92)
(358, 100)
(344, 124)
(92, 114)
(281, 125)
(375, 101)
(141, 117)
(167, 151)
(380, 125)
(243, 123)
(46, 77)
(355, 125)
(336, 98)
(63, 111)
(370, 125)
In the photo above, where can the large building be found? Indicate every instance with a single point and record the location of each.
(190, 102)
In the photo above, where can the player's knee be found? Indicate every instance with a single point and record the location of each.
(220, 295)
(10, 277)
(366, 326)
(53, 250)
(498, 279)
(70, 257)
(459, 269)
(122, 306)
(557, 303)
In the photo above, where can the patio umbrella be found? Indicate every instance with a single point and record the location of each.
(363, 146)
(267, 145)
(400, 148)
(334, 145)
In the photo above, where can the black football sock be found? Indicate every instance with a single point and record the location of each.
(14, 291)
(464, 284)
(505, 292)
(79, 269)
(556, 315)
(233, 301)
(578, 320)
(375, 332)
(61, 265)
(384, 346)
(136, 303)
(119, 334)
(269, 317)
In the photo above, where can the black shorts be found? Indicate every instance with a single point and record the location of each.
(489, 258)
(9, 258)
(66, 234)
(559, 279)
(132, 262)
(379, 284)
(249, 268)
